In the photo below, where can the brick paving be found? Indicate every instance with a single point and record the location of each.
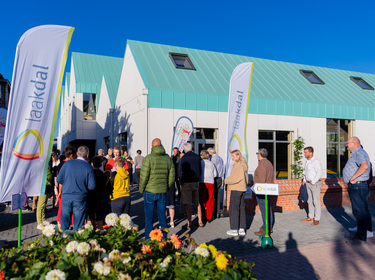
(301, 251)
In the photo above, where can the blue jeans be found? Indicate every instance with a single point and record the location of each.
(261, 199)
(358, 194)
(121, 205)
(150, 201)
(76, 207)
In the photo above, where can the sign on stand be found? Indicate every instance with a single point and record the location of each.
(264, 188)
(19, 200)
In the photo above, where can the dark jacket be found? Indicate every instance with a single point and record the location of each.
(157, 172)
(190, 168)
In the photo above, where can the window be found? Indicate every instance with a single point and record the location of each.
(89, 106)
(337, 154)
(107, 144)
(122, 140)
(203, 138)
(278, 146)
(181, 61)
(311, 77)
(361, 82)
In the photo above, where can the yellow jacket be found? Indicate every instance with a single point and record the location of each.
(121, 184)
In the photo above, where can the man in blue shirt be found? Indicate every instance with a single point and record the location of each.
(77, 177)
(356, 173)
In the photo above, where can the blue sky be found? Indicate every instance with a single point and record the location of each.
(334, 34)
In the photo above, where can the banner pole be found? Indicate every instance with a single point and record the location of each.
(19, 227)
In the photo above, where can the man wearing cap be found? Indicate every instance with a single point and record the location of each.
(356, 173)
(264, 174)
(313, 175)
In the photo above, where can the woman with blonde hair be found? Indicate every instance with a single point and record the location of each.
(237, 184)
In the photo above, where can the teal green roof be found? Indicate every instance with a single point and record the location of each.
(89, 70)
(277, 87)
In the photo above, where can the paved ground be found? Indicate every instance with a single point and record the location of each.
(301, 251)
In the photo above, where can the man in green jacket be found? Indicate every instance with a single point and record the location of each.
(157, 176)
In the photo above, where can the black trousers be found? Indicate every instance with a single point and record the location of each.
(237, 215)
(218, 199)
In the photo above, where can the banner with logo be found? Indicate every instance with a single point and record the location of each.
(3, 121)
(238, 107)
(183, 130)
(33, 106)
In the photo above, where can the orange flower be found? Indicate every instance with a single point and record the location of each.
(146, 249)
(162, 244)
(176, 242)
(156, 234)
(174, 238)
(177, 245)
(2, 276)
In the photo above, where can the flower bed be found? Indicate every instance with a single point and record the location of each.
(118, 253)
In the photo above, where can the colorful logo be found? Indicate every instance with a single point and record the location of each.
(234, 147)
(183, 130)
(259, 188)
(21, 137)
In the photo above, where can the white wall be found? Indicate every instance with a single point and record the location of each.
(131, 107)
(103, 117)
(364, 130)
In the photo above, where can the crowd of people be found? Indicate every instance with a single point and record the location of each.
(86, 189)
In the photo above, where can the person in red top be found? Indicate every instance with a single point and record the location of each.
(111, 162)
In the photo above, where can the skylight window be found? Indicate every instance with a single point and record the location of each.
(181, 61)
(311, 77)
(361, 82)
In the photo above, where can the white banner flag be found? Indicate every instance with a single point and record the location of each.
(182, 132)
(33, 106)
(3, 121)
(238, 107)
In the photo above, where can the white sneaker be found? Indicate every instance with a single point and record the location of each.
(45, 223)
(40, 227)
(370, 234)
(232, 232)
(242, 232)
(353, 229)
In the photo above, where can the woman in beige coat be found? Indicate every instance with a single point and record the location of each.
(237, 184)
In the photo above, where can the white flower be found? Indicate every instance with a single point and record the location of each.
(124, 276)
(126, 260)
(100, 268)
(55, 274)
(111, 219)
(49, 230)
(32, 245)
(72, 246)
(51, 242)
(165, 262)
(64, 235)
(202, 251)
(113, 254)
(80, 231)
(94, 243)
(83, 248)
(126, 221)
(89, 227)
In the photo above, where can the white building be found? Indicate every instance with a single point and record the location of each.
(160, 83)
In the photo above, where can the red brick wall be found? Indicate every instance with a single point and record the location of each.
(333, 193)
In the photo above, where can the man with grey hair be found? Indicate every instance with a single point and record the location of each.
(218, 182)
(356, 173)
(264, 174)
(77, 177)
(189, 173)
(103, 158)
